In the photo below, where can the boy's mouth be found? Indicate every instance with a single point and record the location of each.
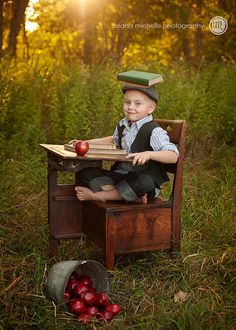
(130, 113)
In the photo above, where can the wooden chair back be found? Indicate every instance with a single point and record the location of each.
(176, 131)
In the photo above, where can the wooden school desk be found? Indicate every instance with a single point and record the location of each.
(65, 216)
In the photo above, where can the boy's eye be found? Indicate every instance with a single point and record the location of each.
(136, 104)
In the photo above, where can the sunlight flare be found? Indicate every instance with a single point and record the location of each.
(30, 16)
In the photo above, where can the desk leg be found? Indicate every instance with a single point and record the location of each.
(53, 247)
(52, 182)
(64, 209)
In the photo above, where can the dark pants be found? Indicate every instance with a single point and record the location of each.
(130, 186)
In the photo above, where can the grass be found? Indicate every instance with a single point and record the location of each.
(145, 284)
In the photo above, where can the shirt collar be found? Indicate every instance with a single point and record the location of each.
(138, 123)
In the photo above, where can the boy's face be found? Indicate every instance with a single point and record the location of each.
(137, 105)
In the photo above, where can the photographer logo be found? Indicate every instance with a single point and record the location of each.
(218, 25)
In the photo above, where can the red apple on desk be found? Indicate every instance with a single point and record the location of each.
(81, 148)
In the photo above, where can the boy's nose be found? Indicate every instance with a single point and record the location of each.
(130, 106)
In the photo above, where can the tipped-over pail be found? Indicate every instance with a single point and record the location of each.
(60, 273)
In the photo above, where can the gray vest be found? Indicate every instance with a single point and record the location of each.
(142, 143)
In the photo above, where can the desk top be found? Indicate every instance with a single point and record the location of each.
(58, 150)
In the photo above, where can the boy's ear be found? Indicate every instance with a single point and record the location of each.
(152, 107)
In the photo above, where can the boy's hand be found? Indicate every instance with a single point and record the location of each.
(139, 158)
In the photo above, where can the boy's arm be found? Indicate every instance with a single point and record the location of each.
(162, 156)
(163, 150)
(106, 139)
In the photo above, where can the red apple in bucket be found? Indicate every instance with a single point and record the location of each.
(89, 298)
(72, 283)
(87, 305)
(67, 295)
(92, 310)
(81, 148)
(102, 299)
(77, 306)
(80, 288)
(86, 280)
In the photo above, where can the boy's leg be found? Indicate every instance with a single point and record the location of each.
(97, 184)
(136, 187)
(130, 187)
(93, 178)
(106, 193)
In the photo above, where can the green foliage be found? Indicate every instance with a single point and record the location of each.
(20, 110)
(106, 101)
(205, 98)
(54, 103)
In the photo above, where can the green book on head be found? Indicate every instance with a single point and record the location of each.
(140, 78)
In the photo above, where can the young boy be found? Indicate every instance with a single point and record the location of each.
(148, 147)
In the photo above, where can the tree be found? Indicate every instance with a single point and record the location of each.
(14, 13)
(95, 31)
(1, 25)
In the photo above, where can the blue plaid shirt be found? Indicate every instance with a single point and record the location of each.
(159, 138)
(159, 141)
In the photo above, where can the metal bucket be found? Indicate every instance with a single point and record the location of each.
(60, 273)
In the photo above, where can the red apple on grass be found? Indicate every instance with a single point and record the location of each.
(84, 318)
(107, 316)
(104, 316)
(113, 308)
(81, 148)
